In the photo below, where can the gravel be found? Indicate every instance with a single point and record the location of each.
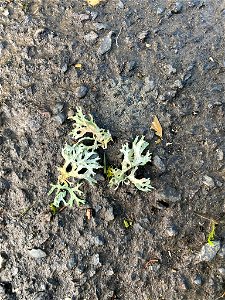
(106, 44)
(37, 253)
(208, 252)
(81, 91)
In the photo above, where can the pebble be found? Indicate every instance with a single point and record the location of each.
(100, 26)
(94, 15)
(4, 185)
(37, 253)
(171, 231)
(149, 85)
(81, 91)
(3, 259)
(219, 154)
(198, 280)
(176, 7)
(72, 262)
(60, 118)
(171, 70)
(106, 44)
(99, 241)
(221, 253)
(143, 35)
(208, 181)
(208, 252)
(91, 36)
(158, 163)
(170, 194)
(120, 4)
(221, 271)
(160, 10)
(58, 108)
(95, 260)
(109, 215)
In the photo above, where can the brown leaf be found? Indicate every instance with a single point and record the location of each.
(156, 126)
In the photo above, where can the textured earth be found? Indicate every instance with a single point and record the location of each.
(137, 59)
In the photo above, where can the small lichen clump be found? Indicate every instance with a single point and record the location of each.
(81, 160)
(132, 158)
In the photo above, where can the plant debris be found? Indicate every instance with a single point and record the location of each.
(156, 126)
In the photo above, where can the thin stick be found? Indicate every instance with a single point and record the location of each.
(118, 36)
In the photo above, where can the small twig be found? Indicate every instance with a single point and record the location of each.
(118, 36)
(151, 262)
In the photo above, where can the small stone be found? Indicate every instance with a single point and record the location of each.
(131, 65)
(171, 70)
(109, 272)
(64, 68)
(4, 185)
(95, 260)
(143, 35)
(81, 91)
(5, 12)
(221, 253)
(171, 231)
(170, 194)
(91, 36)
(99, 241)
(109, 215)
(60, 118)
(57, 108)
(106, 44)
(208, 181)
(120, 4)
(37, 253)
(158, 163)
(149, 85)
(208, 252)
(219, 154)
(94, 15)
(221, 271)
(176, 7)
(72, 262)
(194, 3)
(160, 10)
(3, 259)
(198, 280)
(100, 26)
(178, 84)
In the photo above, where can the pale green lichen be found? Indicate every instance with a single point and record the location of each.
(64, 191)
(132, 158)
(84, 126)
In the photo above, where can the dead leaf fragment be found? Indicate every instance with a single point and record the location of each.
(156, 126)
(93, 2)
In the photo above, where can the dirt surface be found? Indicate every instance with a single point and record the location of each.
(139, 59)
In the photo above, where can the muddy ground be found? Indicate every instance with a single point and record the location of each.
(138, 59)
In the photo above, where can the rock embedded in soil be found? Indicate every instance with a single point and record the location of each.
(198, 280)
(81, 91)
(109, 215)
(177, 7)
(106, 44)
(37, 253)
(221, 271)
(208, 252)
(208, 181)
(60, 118)
(91, 36)
(158, 163)
(160, 11)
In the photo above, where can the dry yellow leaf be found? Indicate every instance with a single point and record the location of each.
(78, 66)
(156, 126)
(93, 2)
